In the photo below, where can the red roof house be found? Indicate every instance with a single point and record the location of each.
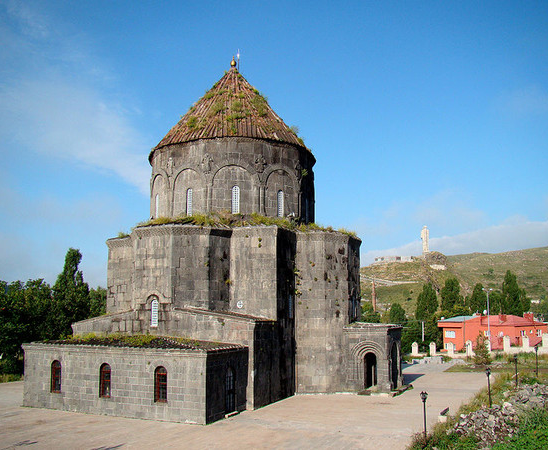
(459, 329)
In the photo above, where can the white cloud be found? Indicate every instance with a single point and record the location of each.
(30, 21)
(64, 120)
(512, 234)
(528, 100)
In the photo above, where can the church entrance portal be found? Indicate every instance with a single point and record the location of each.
(370, 367)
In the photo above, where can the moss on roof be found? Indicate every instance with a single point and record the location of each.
(231, 108)
(228, 220)
(143, 341)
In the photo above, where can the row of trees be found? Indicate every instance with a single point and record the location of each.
(36, 311)
(511, 300)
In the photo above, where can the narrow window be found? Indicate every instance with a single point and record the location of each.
(230, 391)
(56, 377)
(280, 204)
(154, 313)
(290, 306)
(156, 205)
(104, 381)
(235, 199)
(160, 384)
(189, 202)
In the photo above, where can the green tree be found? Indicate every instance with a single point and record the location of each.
(427, 302)
(71, 301)
(450, 294)
(22, 311)
(98, 302)
(514, 299)
(482, 356)
(541, 309)
(432, 333)
(495, 302)
(397, 314)
(369, 315)
(477, 301)
(411, 332)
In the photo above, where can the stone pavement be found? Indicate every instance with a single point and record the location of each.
(339, 421)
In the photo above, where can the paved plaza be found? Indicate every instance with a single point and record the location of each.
(338, 421)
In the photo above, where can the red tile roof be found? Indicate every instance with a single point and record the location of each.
(231, 108)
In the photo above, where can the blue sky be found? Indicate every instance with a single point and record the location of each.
(418, 113)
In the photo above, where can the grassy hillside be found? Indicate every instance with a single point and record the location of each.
(530, 266)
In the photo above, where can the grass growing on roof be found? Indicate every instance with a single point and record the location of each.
(225, 219)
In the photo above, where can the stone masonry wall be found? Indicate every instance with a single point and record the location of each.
(383, 340)
(132, 386)
(120, 274)
(322, 308)
(253, 273)
(212, 167)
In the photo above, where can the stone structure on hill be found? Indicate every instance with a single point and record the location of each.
(424, 237)
(248, 314)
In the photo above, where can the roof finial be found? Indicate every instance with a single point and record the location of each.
(233, 62)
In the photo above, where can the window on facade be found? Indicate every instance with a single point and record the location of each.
(450, 334)
(280, 204)
(156, 205)
(522, 332)
(160, 384)
(235, 199)
(104, 381)
(539, 333)
(230, 391)
(56, 377)
(189, 202)
(290, 306)
(154, 313)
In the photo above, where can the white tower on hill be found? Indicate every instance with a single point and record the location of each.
(424, 238)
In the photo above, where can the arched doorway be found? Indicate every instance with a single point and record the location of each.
(394, 367)
(370, 368)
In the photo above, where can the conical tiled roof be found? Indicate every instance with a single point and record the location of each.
(231, 108)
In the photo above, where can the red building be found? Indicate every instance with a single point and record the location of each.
(459, 329)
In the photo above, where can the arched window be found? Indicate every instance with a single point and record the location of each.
(235, 199)
(55, 377)
(104, 381)
(154, 313)
(156, 205)
(160, 384)
(189, 202)
(280, 204)
(230, 391)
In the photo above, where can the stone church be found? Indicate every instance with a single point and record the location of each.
(207, 320)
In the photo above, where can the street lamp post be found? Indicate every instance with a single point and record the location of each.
(488, 373)
(516, 367)
(536, 359)
(488, 290)
(424, 395)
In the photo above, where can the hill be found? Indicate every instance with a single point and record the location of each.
(402, 282)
